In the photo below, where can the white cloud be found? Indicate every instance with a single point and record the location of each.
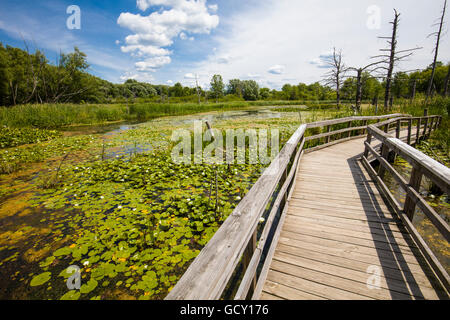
(140, 50)
(224, 59)
(276, 69)
(189, 76)
(154, 32)
(253, 76)
(298, 34)
(169, 82)
(213, 8)
(151, 64)
(142, 77)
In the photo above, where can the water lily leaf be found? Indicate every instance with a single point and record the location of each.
(89, 286)
(71, 295)
(40, 279)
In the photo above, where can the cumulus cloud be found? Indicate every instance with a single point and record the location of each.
(276, 69)
(322, 61)
(151, 64)
(189, 76)
(153, 33)
(161, 27)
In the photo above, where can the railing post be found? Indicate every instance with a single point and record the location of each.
(349, 126)
(248, 254)
(431, 127)
(365, 125)
(369, 140)
(436, 124)
(386, 128)
(418, 130)
(328, 131)
(384, 155)
(397, 132)
(425, 114)
(409, 131)
(414, 182)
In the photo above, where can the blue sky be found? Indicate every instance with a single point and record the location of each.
(271, 41)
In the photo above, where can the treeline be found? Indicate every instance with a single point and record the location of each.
(30, 78)
(404, 85)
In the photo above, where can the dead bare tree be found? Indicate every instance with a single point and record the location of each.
(359, 84)
(436, 49)
(334, 77)
(197, 88)
(392, 57)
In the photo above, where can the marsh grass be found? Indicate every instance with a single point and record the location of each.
(52, 116)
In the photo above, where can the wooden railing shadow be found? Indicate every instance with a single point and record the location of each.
(395, 269)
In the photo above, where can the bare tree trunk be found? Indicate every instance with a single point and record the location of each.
(198, 91)
(359, 89)
(413, 91)
(436, 51)
(391, 60)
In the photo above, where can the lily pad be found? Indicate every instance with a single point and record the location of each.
(40, 279)
(71, 295)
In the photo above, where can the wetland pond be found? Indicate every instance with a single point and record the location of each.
(110, 201)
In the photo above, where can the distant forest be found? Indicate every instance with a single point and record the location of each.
(30, 78)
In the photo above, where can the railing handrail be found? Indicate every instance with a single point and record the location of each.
(324, 123)
(422, 165)
(435, 171)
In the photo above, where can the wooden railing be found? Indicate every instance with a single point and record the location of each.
(208, 275)
(422, 165)
(237, 242)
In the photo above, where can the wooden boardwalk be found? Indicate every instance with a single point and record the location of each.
(331, 229)
(340, 231)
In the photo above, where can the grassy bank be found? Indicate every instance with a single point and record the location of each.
(52, 116)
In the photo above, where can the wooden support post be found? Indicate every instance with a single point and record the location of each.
(329, 137)
(431, 127)
(385, 155)
(409, 131)
(369, 140)
(386, 128)
(414, 182)
(424, 134)
(397, 132)
(365, 125)
(425, 114)
(248, 254)
(436, 123)
(349, 126)
(285, 176)
(418, 130)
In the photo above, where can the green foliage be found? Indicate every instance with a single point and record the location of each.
(13, 137)
(217, 86)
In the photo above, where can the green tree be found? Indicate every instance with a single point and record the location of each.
(250, 90)
(217, 87)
